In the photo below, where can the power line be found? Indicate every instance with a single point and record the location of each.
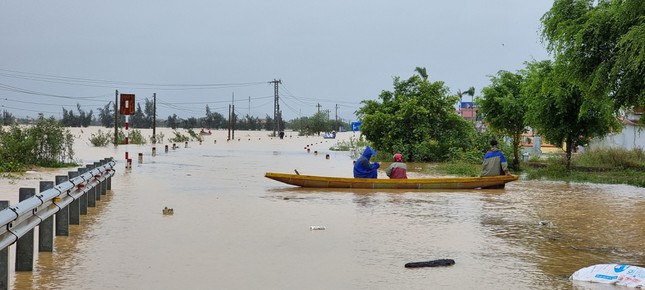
(9, 88)
(28, 110)
(122, 84)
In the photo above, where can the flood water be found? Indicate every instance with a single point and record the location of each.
(233, 228)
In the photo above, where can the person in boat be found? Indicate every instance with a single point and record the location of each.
(494, 161)
(398, 169)
(363, 168)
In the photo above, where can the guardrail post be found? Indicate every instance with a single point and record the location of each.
(83, 199)
(91, 194)
(62, 216)
(108, 183)
(74, 206)
(4, 257)
(46, 227)
(25, 245)
(99, 186)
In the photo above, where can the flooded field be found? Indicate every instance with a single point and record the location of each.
(234, 229)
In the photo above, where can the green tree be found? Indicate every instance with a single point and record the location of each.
(138, 119)
(503, 107)
(268, 125)
(149, 113)
(601, 46)
(173, 121)
(106, 115)
(417, 119)
(190, 123)
(71, 120)
(7, 118)
(558, 109)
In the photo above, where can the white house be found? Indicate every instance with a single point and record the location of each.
(632, 136)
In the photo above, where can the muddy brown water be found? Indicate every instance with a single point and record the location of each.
(234, 229)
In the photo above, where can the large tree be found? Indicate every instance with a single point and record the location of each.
(417, 119)
(559, 110)
(601, 46)
(106, 115)
(503, 107)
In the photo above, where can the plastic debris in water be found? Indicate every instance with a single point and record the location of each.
(317, 228)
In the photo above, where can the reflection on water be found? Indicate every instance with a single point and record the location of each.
(235, 229)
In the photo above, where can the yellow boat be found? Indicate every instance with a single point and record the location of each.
(412, 183)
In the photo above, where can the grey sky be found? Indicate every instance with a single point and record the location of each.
(328, 52)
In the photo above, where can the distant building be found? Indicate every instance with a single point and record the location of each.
(468, 111)
(631, 137)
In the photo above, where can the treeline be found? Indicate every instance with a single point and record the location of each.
(143, 117)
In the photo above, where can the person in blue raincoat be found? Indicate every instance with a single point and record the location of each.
(363, 168)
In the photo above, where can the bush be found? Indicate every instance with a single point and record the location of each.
(159, 136)
(46, 143)
(134, 137)
(179, 138)
(101, 139)
(611, 158)
(195, 136)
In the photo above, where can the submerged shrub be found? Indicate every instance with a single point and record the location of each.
(101, 139)
(46, 143)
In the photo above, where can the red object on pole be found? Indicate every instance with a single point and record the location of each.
(126, 126)
(126, 155)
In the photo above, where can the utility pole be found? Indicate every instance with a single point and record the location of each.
(229, 122)
(300, 114)
(337, 118)
(233, 114)
(276, 106)
(116, 119)
(318, 107)
(154, 118)
(249, 106)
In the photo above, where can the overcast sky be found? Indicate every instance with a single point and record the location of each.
(194, 53)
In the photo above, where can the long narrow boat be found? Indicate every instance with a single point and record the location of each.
(413, 183)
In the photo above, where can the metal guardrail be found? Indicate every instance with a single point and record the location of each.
(19, 219)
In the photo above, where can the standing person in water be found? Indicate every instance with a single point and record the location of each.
(363, 168)
(398, 169)
(494, 161)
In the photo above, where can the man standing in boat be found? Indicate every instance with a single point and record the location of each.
(494, 161)
(363, 168)
(398, 169)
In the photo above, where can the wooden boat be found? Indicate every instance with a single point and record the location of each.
(413, 183)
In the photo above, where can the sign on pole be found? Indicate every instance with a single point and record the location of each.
(127, 104)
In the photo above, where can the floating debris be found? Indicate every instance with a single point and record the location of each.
(167, 211)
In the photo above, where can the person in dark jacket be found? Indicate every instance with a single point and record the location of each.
(398, 169)
(363, 168)
(494, 161)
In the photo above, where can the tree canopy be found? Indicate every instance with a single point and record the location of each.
(559, 110)
(417, 119)
(601, 46)
(503, 107)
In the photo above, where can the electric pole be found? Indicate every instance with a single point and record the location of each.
(276, 106)
(337, 117)
(116, 119)
(154, 118)
(229, 122)
(233, 115)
